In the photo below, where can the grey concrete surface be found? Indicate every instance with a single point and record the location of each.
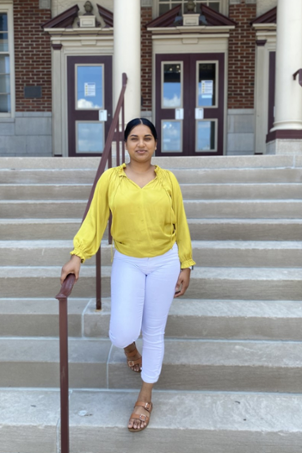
(222, 422)
(189, 191)
(263, 161)
(245, 229)
(184, 176)
(35, 362)
(205, 253)
(45, 253)
(188, 365)
(188, 318)
(39, 317)
(27, 229)
(28, 421)
(255, 209)
(206, 283)
(200, 229)
(221, 365)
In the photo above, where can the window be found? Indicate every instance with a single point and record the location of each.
(162, 6)
(6, 63)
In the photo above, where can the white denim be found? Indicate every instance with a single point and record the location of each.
(142, 290)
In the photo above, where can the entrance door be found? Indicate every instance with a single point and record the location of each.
(89, 80)
(190, 104)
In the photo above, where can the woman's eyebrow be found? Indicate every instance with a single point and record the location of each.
(147, 135)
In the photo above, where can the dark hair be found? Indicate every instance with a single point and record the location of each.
(137, 122)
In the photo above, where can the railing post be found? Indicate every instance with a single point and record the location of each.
(64, 384)
(98, 280)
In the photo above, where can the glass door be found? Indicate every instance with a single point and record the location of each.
(190, 104)
(89, 104)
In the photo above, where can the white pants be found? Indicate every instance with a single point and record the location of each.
(142, 290)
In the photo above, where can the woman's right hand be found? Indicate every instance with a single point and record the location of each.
(71, 267)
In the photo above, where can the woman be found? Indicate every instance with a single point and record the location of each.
(152, 260)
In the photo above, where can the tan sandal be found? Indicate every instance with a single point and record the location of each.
(132, 363)
(142, 417)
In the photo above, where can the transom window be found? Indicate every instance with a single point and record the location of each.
(166, 5)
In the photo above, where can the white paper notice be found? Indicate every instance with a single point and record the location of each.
(207, 89)
(90, 89)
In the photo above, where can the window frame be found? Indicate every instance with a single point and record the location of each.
(7, 8)
(224, 6)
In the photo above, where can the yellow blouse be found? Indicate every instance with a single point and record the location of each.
(146, 221)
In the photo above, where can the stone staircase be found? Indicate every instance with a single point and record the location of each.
(232, 374)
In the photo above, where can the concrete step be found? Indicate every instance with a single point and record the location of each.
(223, 422)
(206, 283)
(242, 229)
(255, 161)
(188, 365)
(50, 229)
(188, 318)
(205, 253)
(184, 175)
(201, 229)
(32, 317)
(195, 209)
(189, 191)
(46, 253)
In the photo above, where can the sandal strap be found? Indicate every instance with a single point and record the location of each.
(145, 405)
(132, 353)
(142, 417)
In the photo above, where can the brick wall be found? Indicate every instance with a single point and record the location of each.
(32, 55)
(242, 57)
(146, 59)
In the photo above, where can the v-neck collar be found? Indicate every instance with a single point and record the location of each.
(122, 173)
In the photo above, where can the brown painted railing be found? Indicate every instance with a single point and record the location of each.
(66, 288)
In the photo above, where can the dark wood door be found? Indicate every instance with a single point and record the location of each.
(190, 104)
(89, 89)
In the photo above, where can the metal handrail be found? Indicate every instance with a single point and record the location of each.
(67, 285)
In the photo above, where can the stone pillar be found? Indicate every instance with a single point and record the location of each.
(127, 55)
(286, 135)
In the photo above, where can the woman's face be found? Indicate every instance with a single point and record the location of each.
(140, 143)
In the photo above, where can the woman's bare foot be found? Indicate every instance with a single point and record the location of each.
(134, 359)
(142, 410)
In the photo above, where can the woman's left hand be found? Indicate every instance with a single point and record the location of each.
(182, 282)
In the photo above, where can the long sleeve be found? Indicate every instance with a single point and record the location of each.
(183, 238)
(87, 240)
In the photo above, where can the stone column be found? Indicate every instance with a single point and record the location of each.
(286, 135)
(127, 55)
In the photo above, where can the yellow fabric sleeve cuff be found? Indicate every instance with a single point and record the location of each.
(187, 263)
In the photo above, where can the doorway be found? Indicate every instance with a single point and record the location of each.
(190, 104)
(89, 90)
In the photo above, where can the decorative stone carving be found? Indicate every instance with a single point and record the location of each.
(190, 6)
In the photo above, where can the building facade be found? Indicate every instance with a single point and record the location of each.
(216, 77)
